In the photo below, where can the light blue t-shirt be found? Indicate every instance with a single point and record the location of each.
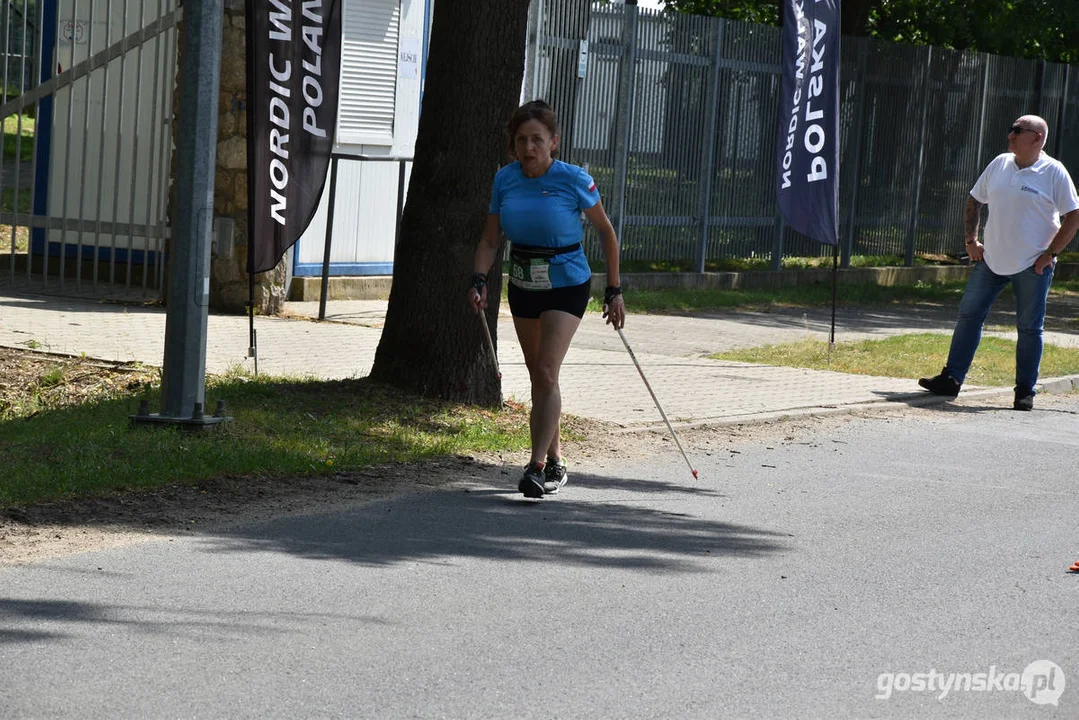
(545, 212)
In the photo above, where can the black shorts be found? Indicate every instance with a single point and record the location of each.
(532, 303)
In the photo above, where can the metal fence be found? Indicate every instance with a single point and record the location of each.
(18, 36)
(676, 117)
(84, 172)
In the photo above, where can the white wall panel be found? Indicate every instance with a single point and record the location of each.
(366, 206)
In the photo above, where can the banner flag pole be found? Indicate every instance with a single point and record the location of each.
(807, 148)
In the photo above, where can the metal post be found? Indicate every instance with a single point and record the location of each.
(710, 130)
(15, 191)
(325, 289)
(777, 251)
(42, 108)
(400, 205)
(624, 114)
(101, 148)
(166, 159)
(535, 37)
(1039, 86)
(183, 383)
(120, 140)
(135, 149)
(36, 71)
(912, 230)
(146, 253)
(84, 171)
(859, 126)
(67, 142)
(1063, 113)
(981, 119)
(53, 71)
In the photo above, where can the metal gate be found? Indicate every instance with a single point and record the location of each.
(88, 142)
(676, 117)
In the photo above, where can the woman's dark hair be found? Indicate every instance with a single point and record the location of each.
(534, 110)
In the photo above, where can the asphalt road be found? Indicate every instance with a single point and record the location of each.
(830, 568)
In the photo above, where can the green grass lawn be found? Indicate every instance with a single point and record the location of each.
(906, 356)
(8, 200)
(11, 138)
(282, 428)
(285, 427)
(791, 262)
(684, 300)
(676, 300)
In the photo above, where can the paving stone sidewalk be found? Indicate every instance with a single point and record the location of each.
(598, 378)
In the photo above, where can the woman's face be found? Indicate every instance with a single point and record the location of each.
(534, 145)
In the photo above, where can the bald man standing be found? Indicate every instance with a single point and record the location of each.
(1033, 215)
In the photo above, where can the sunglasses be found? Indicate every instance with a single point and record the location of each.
(1017, 129)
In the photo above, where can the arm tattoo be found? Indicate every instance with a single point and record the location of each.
(971, 218)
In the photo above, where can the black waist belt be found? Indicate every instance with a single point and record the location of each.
(527, 252)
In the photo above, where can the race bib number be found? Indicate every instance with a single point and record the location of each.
(534, 274)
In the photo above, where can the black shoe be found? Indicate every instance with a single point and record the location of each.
(531, 485)
(554, 476)
(942, 384)
(1023, 401)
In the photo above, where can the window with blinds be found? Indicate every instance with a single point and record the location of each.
(370, 35)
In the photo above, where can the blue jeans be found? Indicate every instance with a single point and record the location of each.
(983, 288)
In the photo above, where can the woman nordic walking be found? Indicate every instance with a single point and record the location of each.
(536, 201)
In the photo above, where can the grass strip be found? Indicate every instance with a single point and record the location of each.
(675, 300)
(906, 356)
(282, 428)
(681, 300)
(25, 147)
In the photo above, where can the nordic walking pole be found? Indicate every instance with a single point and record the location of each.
(490, 343)
(656, 401)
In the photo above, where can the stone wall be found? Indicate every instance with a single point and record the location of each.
(228, 276)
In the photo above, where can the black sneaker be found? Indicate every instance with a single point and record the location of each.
(942, 384)
(1023, 401)
(554, 476)
(531, 485)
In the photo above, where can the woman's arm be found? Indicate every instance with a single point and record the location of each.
(485, 258)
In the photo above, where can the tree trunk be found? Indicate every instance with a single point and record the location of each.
(854, 16)
(432, 343)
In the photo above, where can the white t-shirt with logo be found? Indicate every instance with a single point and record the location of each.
(1025, 205)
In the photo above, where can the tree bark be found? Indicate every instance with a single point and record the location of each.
(854, 16)
(432, 343)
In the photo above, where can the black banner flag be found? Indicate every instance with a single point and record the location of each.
(807, 154)
(293, 73)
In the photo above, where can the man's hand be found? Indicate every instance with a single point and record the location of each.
(975, 250)
(1044, 260)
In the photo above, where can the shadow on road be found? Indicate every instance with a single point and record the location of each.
(162, 619)
(597, 522)
(499, 524)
